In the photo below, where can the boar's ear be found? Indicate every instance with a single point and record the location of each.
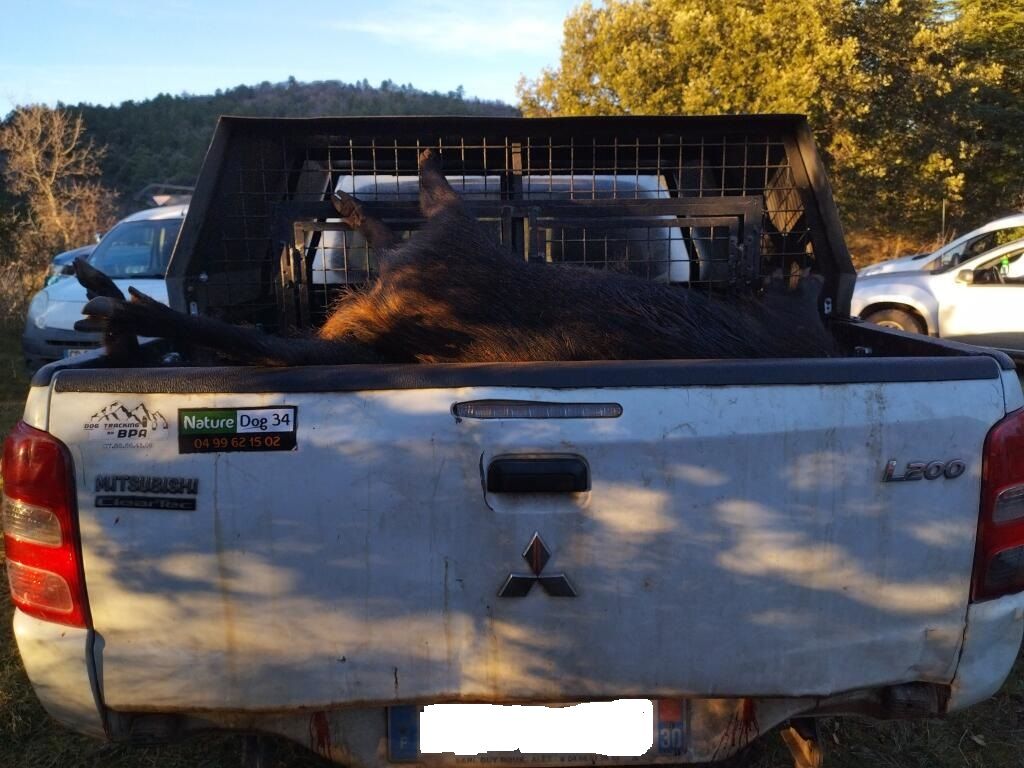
(799, 279)
(797, 294)
(436, 194)
(795, 281)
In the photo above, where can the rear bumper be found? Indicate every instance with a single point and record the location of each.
(37, 352)
(991, 644)
(58, 660)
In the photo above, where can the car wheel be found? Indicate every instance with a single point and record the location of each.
(899, 319)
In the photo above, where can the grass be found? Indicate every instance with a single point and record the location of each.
(989, 735)
(868, 247)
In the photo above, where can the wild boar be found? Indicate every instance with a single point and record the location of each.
(450, 293)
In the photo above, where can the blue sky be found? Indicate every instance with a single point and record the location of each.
(108, 51)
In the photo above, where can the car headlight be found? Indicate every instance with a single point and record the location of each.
(37, 310)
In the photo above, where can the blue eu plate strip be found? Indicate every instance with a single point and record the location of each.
(403, 734)
(670, 730)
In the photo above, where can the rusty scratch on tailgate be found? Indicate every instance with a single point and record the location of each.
(320, 734)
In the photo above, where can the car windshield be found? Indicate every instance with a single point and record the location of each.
(137, 248)
(974, 246)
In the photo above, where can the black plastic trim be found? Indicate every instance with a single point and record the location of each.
(538, 473)
(856, 331)
(149, 354)
(562, 375)
(1016, 357)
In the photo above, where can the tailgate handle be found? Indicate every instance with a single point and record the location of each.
(538, 473)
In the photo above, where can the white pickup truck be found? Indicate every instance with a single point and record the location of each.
(321, 552)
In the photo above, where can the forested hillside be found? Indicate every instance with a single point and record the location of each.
(163, 140)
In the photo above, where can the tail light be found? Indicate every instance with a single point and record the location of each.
(999, 558)
(44, 565)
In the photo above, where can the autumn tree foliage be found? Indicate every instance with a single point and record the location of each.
(50, 171)
(917, 104)
(52, 166)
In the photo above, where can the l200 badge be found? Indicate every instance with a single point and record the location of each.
(924, 470)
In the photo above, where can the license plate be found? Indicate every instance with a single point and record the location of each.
(624, 728)
(75, 352)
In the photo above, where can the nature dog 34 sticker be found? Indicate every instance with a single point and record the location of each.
(221, 430)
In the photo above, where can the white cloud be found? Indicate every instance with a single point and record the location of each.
(481, 31)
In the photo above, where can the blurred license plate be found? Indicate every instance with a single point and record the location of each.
(75, 352)
(614, 728)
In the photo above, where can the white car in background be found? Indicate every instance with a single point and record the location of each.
(134, 252)
(657, 253)
(979, 301)
(966, 247)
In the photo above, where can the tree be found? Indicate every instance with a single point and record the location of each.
(695, 57)
(991, 36)
(52, 167)
(53, 201)
(945, 128)
(896, 161)
(917, 104)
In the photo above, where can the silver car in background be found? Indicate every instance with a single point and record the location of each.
(135, 251)
(979, 301)
(975, 242)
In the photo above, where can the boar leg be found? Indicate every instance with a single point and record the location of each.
(143, 316)
(436, 194)
(120, 346)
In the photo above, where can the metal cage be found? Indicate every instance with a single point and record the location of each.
(710, 203)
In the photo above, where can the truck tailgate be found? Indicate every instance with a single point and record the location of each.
(736, 540)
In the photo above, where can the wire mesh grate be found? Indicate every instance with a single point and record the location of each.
(707, 208)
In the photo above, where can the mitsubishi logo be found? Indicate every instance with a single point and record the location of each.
(537, 555)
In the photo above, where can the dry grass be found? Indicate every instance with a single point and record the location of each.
(18, 284)
(990, 735)
(871, 247)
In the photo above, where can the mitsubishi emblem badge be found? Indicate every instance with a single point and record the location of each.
(536, 555)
